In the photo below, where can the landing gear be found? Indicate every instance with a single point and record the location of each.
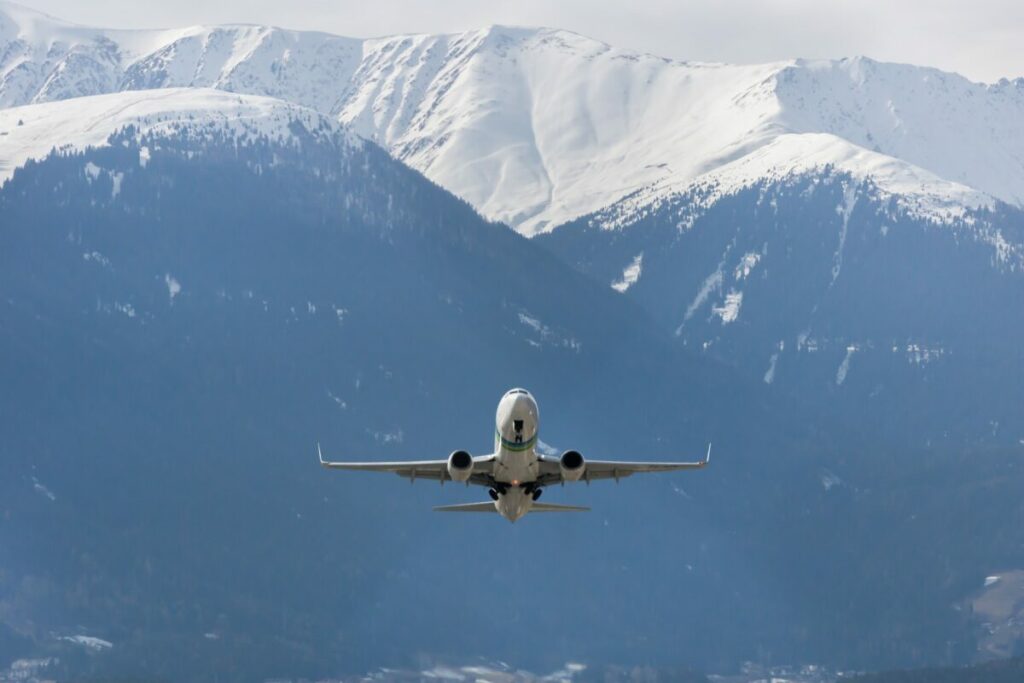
(501, 488)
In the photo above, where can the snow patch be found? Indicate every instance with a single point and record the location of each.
(173, 286)
(711, 283)
(127, 309)
(547, 335)
(97, 257)
(532, 323)
(920, 354)
(845, 210)
(730, 310)
(337, 400)
(115, 188)
(828, 480)
(630, 274)
(143, 156)
(42, 490)
(769, 375)
(844, 367)
(89, 642)
(746, 265)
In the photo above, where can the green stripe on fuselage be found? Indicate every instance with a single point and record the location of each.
(502, 442)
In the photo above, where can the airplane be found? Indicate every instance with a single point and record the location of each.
(515, 474)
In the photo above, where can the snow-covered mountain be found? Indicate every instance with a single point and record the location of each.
(44, 59)
(32, 131)
(535, 127)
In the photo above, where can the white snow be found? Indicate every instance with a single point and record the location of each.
(920, 354)
(97, 257)
(116, 179)
(746, 265)
(769, 375)
(338, 401)
(547, 335)
(89, 642)
(829, 479)
(173, 286)
(630, 274)
(42, 490)
(711, 283)
(730, 310)
(537, 126)
(44, 59)
(845, 210)
(89, 121)
(127, 309)
(844, 367)
(532, 323)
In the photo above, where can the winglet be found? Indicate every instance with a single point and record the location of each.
(320, 454)
(707, 458)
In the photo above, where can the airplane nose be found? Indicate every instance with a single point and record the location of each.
(522, 405)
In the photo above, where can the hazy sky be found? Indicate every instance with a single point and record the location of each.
(982, 39)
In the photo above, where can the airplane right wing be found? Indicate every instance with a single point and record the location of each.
(616, 469)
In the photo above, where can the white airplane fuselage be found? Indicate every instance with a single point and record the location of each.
(515, 443)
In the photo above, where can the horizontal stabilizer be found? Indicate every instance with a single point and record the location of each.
(468, 507)
(551, 507)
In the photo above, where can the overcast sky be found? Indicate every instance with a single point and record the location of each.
(982, 39)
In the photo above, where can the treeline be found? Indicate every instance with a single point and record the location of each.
(1003, 671)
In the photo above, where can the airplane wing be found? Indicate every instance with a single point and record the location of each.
(468, 507)
(435, 470)
(551, 473)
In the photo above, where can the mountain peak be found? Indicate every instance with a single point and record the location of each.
(536, 126)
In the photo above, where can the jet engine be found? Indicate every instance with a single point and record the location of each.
(460, 466)
(572, 465)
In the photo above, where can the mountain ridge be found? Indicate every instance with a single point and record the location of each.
(537, 126)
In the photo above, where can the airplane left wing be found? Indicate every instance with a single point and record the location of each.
(617, 469)
(435, 470)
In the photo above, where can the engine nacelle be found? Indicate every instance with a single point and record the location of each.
(460, 466)
(572, 465)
